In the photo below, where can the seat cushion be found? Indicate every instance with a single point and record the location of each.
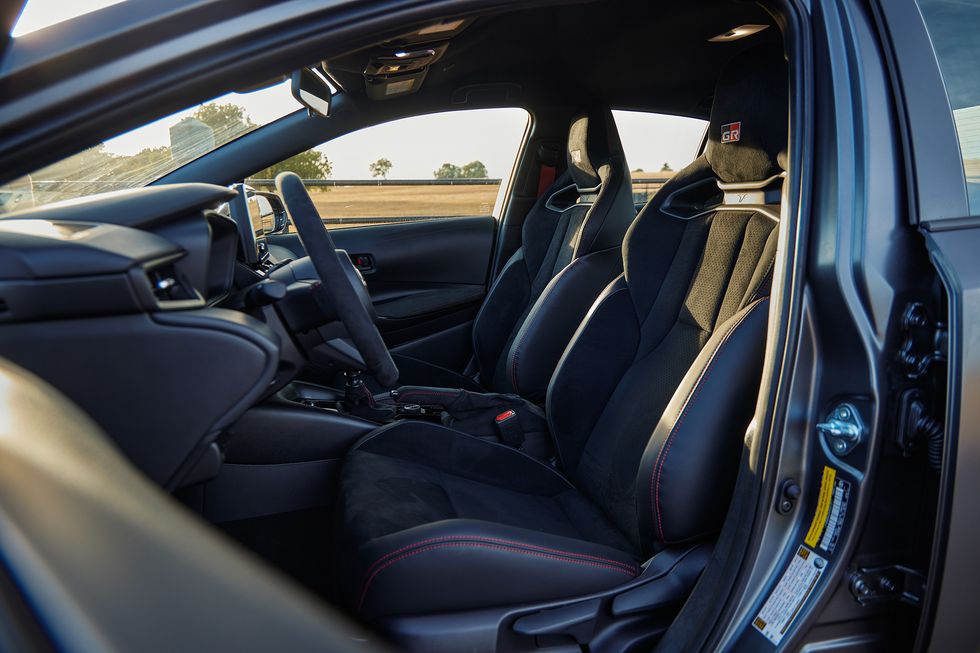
(433, 519)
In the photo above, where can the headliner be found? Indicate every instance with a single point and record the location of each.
(651, 56)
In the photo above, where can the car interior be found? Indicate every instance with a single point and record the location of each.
(514, 432)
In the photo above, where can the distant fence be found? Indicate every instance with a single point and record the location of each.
(53, 185)
(37, 192)
(326, 183)
(101, 185)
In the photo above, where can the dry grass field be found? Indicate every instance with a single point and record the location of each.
(354, 206)
(403, 201)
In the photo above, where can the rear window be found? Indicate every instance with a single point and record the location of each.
(657, 145)
(954, 27)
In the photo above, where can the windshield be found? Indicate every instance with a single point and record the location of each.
(147, 153)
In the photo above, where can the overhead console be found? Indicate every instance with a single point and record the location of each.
(113, 301)
(399, 65)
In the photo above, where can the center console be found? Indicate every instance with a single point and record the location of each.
(357, 401)
(285, 454)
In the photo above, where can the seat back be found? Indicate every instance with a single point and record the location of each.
(651, 400)
(571, 238)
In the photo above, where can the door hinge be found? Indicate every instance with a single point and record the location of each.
(925, 340)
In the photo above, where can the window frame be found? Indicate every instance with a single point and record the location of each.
(935, 176)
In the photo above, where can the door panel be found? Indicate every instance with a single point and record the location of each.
(427, 279)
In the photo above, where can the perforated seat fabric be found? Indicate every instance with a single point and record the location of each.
(566, 257)
(648, 409)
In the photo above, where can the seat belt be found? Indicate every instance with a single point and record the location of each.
(548, 156)
(546, 177)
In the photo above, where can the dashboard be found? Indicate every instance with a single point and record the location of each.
(132, 304)
(166, 243)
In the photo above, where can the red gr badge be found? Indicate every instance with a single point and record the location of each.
(731, 132)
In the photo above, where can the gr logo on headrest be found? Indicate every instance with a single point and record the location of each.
(732, 132)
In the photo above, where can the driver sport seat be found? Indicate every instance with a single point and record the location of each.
(570, 250)
(648, 407)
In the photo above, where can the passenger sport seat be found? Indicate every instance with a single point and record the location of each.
(570, 250)
(648, 408)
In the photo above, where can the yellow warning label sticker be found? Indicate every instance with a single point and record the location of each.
(823, 506)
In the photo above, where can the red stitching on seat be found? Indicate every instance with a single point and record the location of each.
(658, 464)
(479, 538)
(370, 579)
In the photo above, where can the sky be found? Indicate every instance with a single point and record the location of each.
(41, 13)
(415, 146)
(419, 145)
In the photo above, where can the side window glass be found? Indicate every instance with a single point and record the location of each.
(428, 167)
(954, 26)
(657, 145)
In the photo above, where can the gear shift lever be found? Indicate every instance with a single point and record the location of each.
(359, 401)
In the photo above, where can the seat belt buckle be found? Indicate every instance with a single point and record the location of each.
(504, 416)
(509, 428)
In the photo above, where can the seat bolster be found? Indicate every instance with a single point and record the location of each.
(688, 468)
(505, 302)
(554, 318)
(613, 211)
(600, 352)
(469, 564)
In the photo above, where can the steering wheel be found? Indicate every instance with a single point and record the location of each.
(341, 285)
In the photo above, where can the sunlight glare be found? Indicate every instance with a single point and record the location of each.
(39, 14)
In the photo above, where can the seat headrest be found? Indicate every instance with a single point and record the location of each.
(593, 141)
(749, 117)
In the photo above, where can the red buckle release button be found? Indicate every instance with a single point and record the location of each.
(504, 416)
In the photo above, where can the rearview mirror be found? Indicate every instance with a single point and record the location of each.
(312, 91)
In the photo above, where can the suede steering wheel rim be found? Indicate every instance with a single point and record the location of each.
(336, 286)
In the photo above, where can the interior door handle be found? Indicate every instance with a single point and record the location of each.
(363, 262)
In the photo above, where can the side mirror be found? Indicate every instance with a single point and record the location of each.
(312, 91)
(273, 211)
